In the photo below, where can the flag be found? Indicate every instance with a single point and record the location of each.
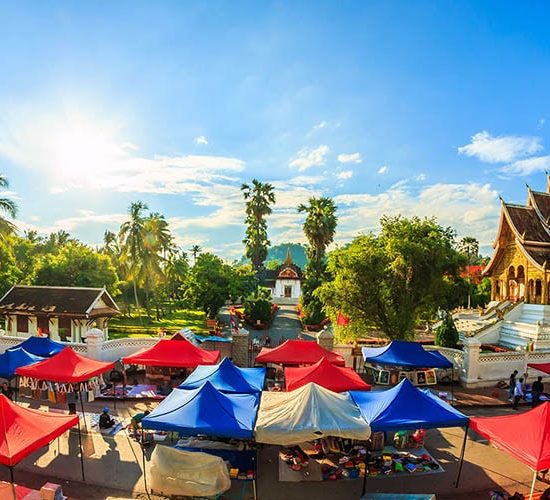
(342, 320)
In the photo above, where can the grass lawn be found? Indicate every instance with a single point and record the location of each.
(120, 327)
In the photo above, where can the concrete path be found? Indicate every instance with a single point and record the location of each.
(286, 324)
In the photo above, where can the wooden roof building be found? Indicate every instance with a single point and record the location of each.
(520, 266)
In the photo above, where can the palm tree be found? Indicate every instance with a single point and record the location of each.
(7, 207)
(32, 236)
(132, 235)
(469, 246)
(258, 197)
(319, 228)
(195, 250)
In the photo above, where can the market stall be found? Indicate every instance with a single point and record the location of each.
(525, 436)
(327, 375)
(23, 431)
(308, 423)
(542, 367)
(40, 346)
(399, 359)
(407, 411)
(12, 359)
(226, 418)
(167, 363)
(227, 378)
(63, 373)
(298, 352)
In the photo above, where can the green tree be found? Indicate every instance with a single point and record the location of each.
(319, 228)
(469, 246)
(9, 273)
(259, 198)
(7, 207)
(132, 235)
(75, 264)
(195, 250)
(207, 286)
(387, 282)
(446, 334)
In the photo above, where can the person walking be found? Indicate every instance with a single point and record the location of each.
(536, 391)
(512, 385)
(518, 393)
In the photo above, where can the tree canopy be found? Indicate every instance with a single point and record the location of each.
(387, 282)
(259, 197)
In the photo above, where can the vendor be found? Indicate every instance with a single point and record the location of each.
(7, 390)
(136, 421)
(105, 420)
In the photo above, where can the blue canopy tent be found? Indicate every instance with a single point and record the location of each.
(408, 354)
(205, 411)
(40, 346)
(227, 378)
(405, 407)
(14, 358)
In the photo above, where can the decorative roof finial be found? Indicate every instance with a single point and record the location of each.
(288, 258)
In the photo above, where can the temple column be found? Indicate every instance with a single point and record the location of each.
(505, 289)
(544, 292)
(493, 289)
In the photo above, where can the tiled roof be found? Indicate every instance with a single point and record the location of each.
(542, 202)
(54, 300)
(527, 223)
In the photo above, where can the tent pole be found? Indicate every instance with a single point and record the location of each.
(364, 489)
(81, 452)
(453, 385)
(17, 388)
(83, 414)
(462, 454)
(533, 485)
(13, 490)
(144, 470)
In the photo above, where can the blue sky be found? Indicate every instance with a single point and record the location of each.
(428, 108)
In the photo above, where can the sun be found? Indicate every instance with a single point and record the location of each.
(78, 150)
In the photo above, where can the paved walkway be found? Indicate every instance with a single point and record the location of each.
(286, 324)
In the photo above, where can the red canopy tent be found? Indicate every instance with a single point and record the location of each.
(23, 431)
(543, 367)
(325, 374)
(298, 352)
(525, 436)
(65, 367)
(173, 353)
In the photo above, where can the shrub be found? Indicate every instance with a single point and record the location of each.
(257, 308)
(446, 334)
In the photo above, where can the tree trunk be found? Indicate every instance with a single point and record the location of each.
(137, 302)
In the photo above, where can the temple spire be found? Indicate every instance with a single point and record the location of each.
(288, 258)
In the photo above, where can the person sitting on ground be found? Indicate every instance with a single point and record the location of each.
(536, 391)
(105, 420)
(7, 390)
(136, 421)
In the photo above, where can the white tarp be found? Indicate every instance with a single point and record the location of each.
(185, 473)
(310, 412)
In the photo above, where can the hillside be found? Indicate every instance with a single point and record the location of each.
(278, 253)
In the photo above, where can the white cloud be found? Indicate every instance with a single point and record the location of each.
(322, 124)
(345, 174)
(541, 123)
(201, 139)
(82, 218)
(470, 208)
(527, 166)
(383, 169)
(420, 177)
(307, 158)
(500, 149)
(350, 158)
